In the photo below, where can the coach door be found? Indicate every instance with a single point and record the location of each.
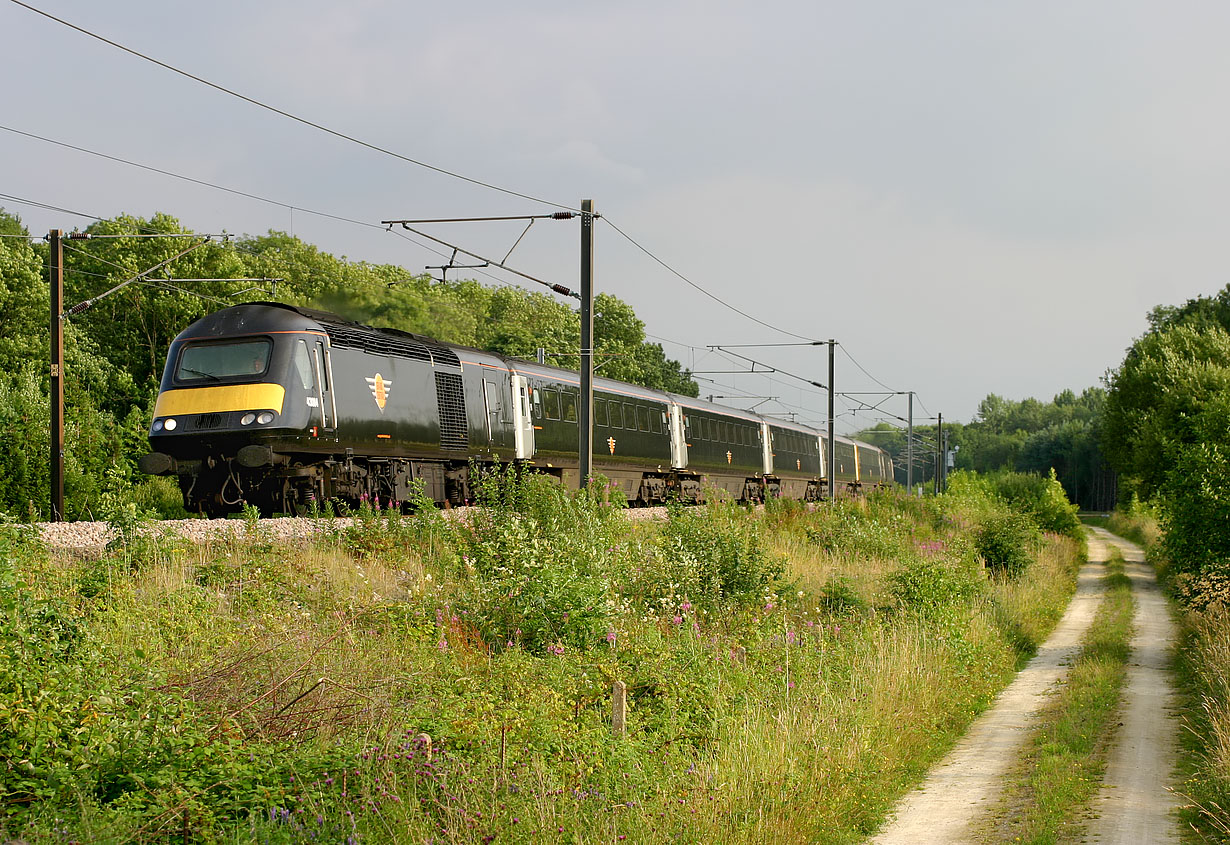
(523, 425)
(679, 441)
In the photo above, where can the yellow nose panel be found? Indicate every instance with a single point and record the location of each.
(224, 397)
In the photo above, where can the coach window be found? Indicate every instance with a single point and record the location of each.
(550, 404)
(600, 412)
(642, 418)
(659, 421)
(629, 417)
(570, 406)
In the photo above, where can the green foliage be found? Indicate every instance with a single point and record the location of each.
(714, 558)
(933, 587)
(1043, 498)
(246, 690)
(42, 695)
(1063, 435)
(535, 563)
(1006, 542)
(849, 528)
(839, 596)
(24, 333)
(1156, 398)
(25, 423)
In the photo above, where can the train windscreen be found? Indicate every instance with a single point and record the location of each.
(218, 361)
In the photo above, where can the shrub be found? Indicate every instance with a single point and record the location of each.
(933, 587)
(838, 595)
(1042, 497)
(848, 529)
(1005, 542)
(534, 562)
(714, 557)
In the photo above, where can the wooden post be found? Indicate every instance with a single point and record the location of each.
(424, 742)
(619, 708)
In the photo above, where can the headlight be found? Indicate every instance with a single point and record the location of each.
(247, 419)
(265, 418)
(170, 424)
(157, 425)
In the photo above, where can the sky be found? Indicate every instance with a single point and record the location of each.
(970, 197)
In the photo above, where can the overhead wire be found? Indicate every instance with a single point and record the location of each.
(47, 207)
(385, 151)
(846, 352)
(694, 285)
(289, 115)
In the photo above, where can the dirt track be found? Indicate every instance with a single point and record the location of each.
(1134, 804)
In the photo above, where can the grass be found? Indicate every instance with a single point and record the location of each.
(1048, 795)
(789, 675)
(1203, 664)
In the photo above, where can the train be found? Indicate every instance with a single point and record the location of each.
(285, 408)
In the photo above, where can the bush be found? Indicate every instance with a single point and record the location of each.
(534, 563)
(933, 587)
(1005, 541)
(1043, 498)
(848, 529)
(714, 557)
(838, 595)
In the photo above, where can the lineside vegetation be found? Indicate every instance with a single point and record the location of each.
(789, 672)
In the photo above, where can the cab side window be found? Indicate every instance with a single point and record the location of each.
(303, 366)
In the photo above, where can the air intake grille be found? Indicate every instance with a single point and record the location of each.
(451, 399)
(207, 421)
(386, 342)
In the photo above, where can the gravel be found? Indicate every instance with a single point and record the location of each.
(92, 537)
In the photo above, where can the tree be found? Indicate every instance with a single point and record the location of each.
(24, 297)
(1165, 380)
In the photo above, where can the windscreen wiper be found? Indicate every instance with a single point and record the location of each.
(200, 373)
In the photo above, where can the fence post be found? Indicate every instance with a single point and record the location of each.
(619, 708)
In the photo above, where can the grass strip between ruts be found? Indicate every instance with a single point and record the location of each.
(1047, 796)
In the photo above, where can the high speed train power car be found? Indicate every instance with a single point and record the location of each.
(277, 406)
